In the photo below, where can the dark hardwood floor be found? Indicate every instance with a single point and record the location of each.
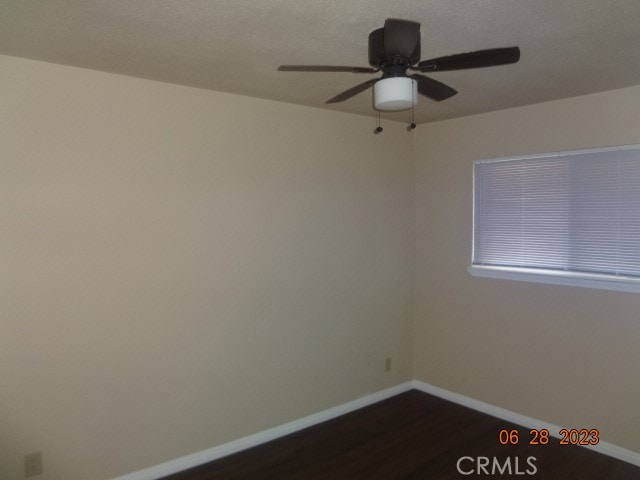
(409, 437)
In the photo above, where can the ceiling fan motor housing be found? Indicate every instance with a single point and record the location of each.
(378, 55)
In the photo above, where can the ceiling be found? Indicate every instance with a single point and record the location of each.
(569, 47)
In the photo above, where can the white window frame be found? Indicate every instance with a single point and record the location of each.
(576, 279)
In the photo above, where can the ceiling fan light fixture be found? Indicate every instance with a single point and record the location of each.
(395, 93)
(394, 49)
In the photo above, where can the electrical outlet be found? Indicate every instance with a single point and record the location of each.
(33, 464)
(387, 364)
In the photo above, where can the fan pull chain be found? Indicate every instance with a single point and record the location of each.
(412, 126)
(379, 129)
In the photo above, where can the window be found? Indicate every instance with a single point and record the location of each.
(568, 218)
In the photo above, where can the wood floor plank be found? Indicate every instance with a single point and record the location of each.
(412, 436)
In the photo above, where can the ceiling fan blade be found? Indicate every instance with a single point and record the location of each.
(341, 97)
(325, 68)
(401, 37)
(433, 89)
(478, 59)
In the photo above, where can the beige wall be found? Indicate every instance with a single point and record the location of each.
(565, 355)
(180, 267)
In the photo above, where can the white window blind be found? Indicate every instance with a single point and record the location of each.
(570, 213)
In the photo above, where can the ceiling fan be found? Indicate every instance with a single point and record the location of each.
(394, 49)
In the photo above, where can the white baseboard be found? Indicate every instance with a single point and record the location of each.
(605, 448)
(205, 456)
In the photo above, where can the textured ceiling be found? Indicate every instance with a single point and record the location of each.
(569, 47)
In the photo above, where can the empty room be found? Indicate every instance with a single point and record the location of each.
(277, 239)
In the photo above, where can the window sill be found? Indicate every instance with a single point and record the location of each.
(604, 282)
